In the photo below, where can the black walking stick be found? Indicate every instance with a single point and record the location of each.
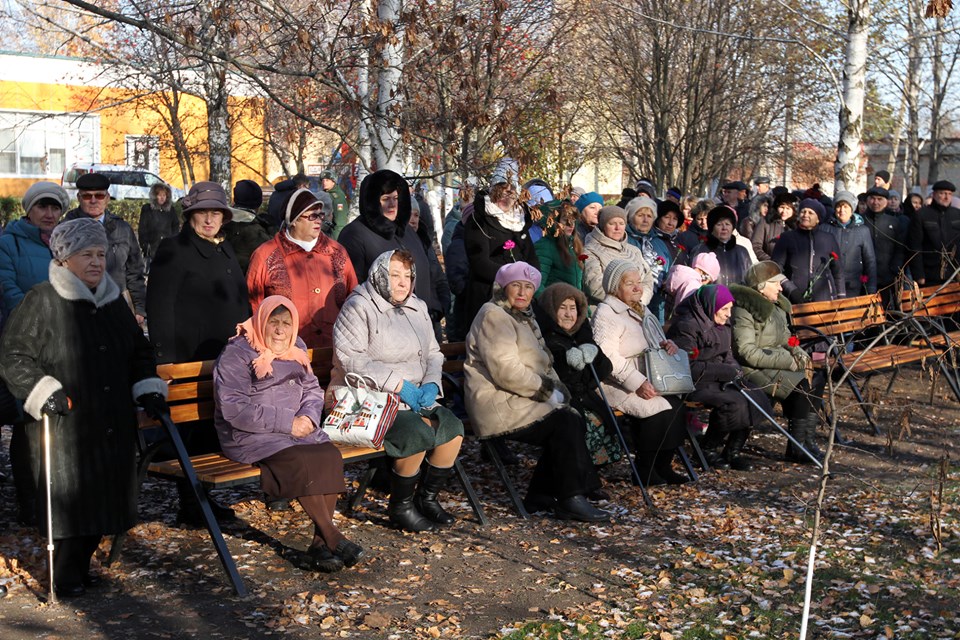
(623, 442)
(770, 419)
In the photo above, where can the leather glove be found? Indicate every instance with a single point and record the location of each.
(575, 358)
(57, 404)
(428, 394)
(590, 352)
(410, 395)
(154, 405)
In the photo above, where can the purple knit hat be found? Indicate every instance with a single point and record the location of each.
(517, 271)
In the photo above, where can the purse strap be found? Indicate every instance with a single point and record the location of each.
(359, 381)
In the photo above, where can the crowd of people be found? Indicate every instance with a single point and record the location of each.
(557, 297)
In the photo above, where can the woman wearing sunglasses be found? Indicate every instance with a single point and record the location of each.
(306, 266)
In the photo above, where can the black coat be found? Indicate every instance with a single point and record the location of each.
(583, 388)
(857, 254)
(889, 235)
(197, 296)
(124, 260)
(371, 234)
(246, 237)
(734, 260)
(156, 223)
(934, 232)
(91, 346)
(805, 256)
(484, 237)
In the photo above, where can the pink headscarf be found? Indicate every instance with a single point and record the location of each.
(253, 328)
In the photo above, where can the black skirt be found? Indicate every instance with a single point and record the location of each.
(303, 470)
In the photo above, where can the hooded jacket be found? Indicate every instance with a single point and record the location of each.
(24, 262)
(857, 254)
(156, 222)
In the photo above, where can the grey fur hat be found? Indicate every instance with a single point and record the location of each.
(73, 236)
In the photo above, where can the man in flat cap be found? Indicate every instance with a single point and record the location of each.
(933, 238)
(124, 259)
(328, 181)
(763, 185)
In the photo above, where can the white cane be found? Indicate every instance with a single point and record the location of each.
(52, 599)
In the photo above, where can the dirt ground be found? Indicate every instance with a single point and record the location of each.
(724, 557)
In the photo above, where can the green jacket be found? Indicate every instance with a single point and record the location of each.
(341, 210)
(552, 267)
(761, 330)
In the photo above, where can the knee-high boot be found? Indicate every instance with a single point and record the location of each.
(732, 452)
(433, 480)
(401, 509)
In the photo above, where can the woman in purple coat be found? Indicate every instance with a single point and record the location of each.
(268, 412)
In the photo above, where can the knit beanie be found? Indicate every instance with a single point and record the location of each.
(640, 202)
(517, 272)
(299, 203)
(708, 263)
(73, 236)
(845, 196)
(609, 213)
(721, 212)
(247, 194)
(613, 274)
(589, 198)
(45, 191)
(815, 205)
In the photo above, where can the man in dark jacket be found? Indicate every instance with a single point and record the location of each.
(889, 234)
(124, 259)
(934, 235)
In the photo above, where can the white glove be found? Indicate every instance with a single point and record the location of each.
(575, 358)
(556, 398)
(590, 352)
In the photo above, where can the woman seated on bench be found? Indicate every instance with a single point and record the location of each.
(384, 332)
(268, 413)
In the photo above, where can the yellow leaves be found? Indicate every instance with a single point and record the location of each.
(865, 620)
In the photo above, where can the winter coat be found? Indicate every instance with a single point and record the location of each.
(657, 257)
(246, 236)
(601, 251)
(856, 253)
(156, 223)
(458, 275)
(934, 231)
(694, 331)
(766, 234)
(196, 299)
(806, 256)
(449, 223)
(441, 288)
(621, 333)
(761, 330)
(318, 282)
(124, 260)
(372, 234)
(734, 259)
(484, 238)
(386, 343)
(24, 262)
(553, 268)
(508, 373)
(254, 417)
(87, 343)
(692, 237)
(580, 383)
(889, 235)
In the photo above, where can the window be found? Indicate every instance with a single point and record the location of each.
(143, 152)
(8, 151)
(43, 145)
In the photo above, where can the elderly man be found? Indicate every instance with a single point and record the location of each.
(124, 260)
(934, 235)
(889, 233)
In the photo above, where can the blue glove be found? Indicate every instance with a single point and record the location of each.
(410, 395)
(428, 394)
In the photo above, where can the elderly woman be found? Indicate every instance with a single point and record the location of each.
(158, 220)
(512, 391)
(384, 333)
(606, 243)
(780, 216)
(764, 347)
(810, 258)
(734, 259)
(269, 408)
(623, 328)
(73, 350)
(855, 244)
(700, 327)
(561, 313)
(302, 264)
(657, 256)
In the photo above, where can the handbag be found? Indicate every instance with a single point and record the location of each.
(362, 414)
(669, 375)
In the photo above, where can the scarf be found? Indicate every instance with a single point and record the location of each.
(306, 245)
(253, 329)
(379, 277)
(510, 220)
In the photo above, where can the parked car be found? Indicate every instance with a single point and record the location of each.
(126, 183)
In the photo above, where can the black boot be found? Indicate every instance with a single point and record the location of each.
(400, 509)
(433, 480)
(732, 452)
(810, 435)
(645, 467)
(712, 447)
(191, 515)
(664, 468)
(799, 428)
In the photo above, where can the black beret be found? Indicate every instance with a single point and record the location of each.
(93, 182)
(944, 185)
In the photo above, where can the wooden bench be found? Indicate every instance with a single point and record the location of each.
(191, 402)
(843, 321)
(936, 309)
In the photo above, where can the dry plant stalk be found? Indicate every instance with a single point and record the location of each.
(936, 505)
(891, 443)
(904, 424)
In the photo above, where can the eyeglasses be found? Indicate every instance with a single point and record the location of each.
(93, 195)
(312, 217)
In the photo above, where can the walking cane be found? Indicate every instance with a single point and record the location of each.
(777, 425)
(52, 597)
(623, 442)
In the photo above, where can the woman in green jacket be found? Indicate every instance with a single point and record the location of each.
(559, 249)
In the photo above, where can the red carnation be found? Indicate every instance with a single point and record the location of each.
(834, 256)
(582, 257)
(864, 279)
(794, 341)
(681, 247)
(660, 260)
(694, 354)
(509, 244)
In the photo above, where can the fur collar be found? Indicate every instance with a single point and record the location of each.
(69, 287)
(755, 304)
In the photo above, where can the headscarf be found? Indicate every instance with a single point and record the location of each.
(553, 296)
(713, 297)
(253, 329)
(379, 277)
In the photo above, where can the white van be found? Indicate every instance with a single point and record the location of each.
(126, 183)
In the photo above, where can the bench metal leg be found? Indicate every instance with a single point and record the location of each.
(361, 491)
(863, 406)
(685, 459)
(505, 478)
(697, 450)
(212, 525)
(471, 494)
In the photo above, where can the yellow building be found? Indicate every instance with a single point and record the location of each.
(57, 111)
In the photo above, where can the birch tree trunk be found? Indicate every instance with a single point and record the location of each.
(386, 135)
(939, 90)
(847, 169)
(911, 162)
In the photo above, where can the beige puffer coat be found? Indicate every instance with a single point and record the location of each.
(509, 373)
(601, 251)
